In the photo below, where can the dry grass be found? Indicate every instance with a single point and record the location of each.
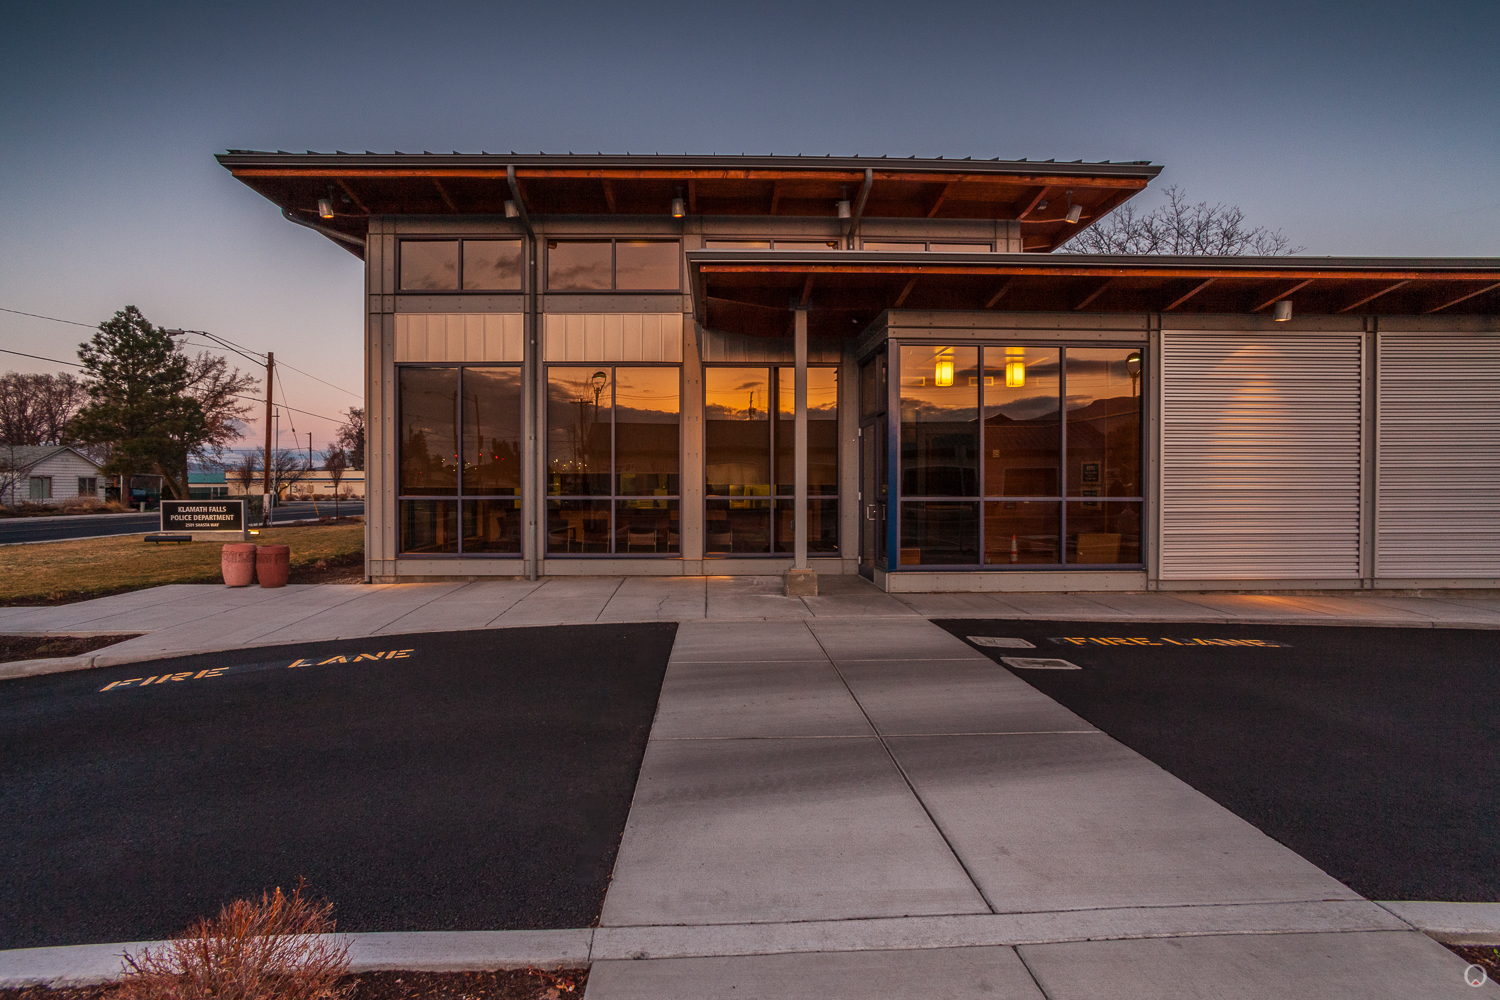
(277, 948)
(60, 572)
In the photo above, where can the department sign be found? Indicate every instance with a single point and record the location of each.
(203, 515)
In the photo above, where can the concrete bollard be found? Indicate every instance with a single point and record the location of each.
(238, 563)
(272, 564)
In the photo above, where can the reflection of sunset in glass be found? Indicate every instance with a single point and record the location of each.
(736, 394)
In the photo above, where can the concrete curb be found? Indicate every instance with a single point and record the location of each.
(462, 951)
(88, 661)
(1451, 923)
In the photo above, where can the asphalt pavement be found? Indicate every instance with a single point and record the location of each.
(47, 529)
(472, 780)
(1372, 752)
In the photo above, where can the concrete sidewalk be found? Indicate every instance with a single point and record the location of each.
(870, 808)
(201, 618)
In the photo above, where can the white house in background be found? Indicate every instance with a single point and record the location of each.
(49, 473)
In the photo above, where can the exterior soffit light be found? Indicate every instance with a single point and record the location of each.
(1075, 212)
(325, 207)
(1282, 311)
(1015, 374)
(679, 207)
(843, 204)
(512, 210)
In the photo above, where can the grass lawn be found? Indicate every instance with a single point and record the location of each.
(60, 572)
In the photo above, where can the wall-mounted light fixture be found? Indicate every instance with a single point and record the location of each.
(943, 375)
(1015, 374)
(512, 210)
(1133, 368)
(1075, 212)
(679, 207)
(1282, 311)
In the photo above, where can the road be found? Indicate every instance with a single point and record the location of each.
(1372, 752)
(474, 780)
(34, 529)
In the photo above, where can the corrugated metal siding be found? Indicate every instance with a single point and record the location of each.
(1260, 456)
(459, 337)
(1438, 511)
(740, 348)
(612, 337)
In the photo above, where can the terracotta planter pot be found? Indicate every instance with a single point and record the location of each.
(238, 561)
(272, 563)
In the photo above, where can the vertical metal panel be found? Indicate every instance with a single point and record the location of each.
(1439, 457)
(460, 337)
(1260, 456)
(590, 337)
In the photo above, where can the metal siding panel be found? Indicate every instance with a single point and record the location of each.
(1439, 462)
(1260, 456)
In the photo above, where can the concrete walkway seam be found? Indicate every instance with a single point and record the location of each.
(465, 951)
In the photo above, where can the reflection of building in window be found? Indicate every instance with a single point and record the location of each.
(613, 468)
(460, 460)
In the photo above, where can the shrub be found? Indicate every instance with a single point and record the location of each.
(278, 948)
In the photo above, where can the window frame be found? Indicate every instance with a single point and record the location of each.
(459, 496)
(93, 486)
(461, 240)
(43, 481)
(894, 517)
(613, 497)
(773, 498)
(614, 264)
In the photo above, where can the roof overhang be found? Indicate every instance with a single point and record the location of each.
(754, 292)
(366, 184)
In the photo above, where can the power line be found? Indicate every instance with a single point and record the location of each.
(70, 322)
(315, 378)
(38, 357)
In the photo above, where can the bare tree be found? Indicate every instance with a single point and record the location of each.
(217, 388)
(246, 471)
(35, 409)
(288, 468)
(352, 437)
(335, 461)
(1181, 229)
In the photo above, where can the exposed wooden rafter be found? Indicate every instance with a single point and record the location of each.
(352, 196)
(1281, 295)
(609, 196)
(1461, 298)
(775, 196)
(693, 197)
(1371, 298)
(806, 291)
(901, 299)
(1094, 294)
(1196, 289)
(1036, 199)
(443, 191)
(999, 293)
(942, 196)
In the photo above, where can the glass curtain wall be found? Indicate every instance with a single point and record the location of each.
(1051, 474)
(460, 462)
(749, 423)
(613, 470)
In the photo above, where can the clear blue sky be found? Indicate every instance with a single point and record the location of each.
(1368, 128)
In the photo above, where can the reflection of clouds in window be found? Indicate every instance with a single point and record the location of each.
(1026, 408)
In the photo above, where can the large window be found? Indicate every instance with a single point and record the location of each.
(749, 420)
(461, 265)
(622, 265)
(460, 461)
(613, 470)
(1020, 455)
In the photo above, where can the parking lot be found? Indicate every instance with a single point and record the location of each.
(1374, 753)
(431, 781)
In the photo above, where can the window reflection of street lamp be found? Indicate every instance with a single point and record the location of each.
(1133, 366)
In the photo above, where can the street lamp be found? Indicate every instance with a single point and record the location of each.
(1133, 366)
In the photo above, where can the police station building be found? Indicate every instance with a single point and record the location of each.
(590, 365)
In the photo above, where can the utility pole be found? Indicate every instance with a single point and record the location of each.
(265, 488)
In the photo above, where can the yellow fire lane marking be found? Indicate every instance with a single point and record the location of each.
(186, 675)
(1163, 641)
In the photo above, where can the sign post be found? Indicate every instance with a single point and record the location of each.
(204, 515)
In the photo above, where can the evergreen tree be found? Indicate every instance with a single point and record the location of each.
(138, 402)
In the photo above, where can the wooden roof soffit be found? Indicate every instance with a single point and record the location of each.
(901, 299)
(1196, 289)
(352, 196)
(446, 200)
(609, 196)
(1094, 294)
(1461, 298)
(999, 293)
(1371, 298)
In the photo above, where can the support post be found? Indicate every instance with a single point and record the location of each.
(800, 580)
(265, 485)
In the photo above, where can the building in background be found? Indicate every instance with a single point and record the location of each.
(47, 474)
(747, 365)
